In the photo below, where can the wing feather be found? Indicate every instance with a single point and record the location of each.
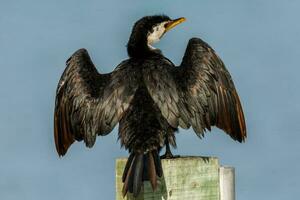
(88, 103)
(199, 93)
(210, 90)
(162, 88)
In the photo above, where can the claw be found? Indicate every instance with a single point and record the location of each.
(169, 155)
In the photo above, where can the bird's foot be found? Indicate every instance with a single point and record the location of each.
(169, 155)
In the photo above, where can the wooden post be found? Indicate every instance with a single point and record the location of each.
(192, 178)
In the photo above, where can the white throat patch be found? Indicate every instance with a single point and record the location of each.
(156, 34)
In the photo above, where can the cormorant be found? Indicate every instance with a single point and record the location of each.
(149, 97)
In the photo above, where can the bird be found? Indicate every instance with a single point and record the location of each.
(149, 97)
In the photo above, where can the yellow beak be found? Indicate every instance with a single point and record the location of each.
(174, 23)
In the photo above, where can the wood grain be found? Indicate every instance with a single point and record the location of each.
(184, 178)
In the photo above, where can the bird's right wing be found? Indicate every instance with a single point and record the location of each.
(88, 103)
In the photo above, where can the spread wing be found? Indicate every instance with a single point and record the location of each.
(88, 103)
(199, 93)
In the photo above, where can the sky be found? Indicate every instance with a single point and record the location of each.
(257, 40)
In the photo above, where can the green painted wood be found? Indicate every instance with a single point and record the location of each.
(184, 178)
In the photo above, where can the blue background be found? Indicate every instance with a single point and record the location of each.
(257, 40)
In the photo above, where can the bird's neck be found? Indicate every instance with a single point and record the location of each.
(138, 47)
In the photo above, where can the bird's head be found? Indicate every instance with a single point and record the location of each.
(147, 31)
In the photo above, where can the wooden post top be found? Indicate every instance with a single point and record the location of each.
(186, 178)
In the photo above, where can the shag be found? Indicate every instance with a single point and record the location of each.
(149, 97)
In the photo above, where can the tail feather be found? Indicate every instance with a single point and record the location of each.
(128, 164)
(152, 172)
(138, 175)
(141, 167)
(146, 167)
(131, 176)
(126, 180)
(157, 162)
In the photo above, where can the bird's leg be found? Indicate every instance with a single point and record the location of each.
(168, 154)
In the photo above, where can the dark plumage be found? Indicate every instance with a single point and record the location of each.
(149, 97)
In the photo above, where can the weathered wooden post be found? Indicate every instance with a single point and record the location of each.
(187, 178)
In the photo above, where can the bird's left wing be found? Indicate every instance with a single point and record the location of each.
(199, 93)
(209, 91)
(89, 103)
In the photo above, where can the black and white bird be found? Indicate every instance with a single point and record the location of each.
(149, 97)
